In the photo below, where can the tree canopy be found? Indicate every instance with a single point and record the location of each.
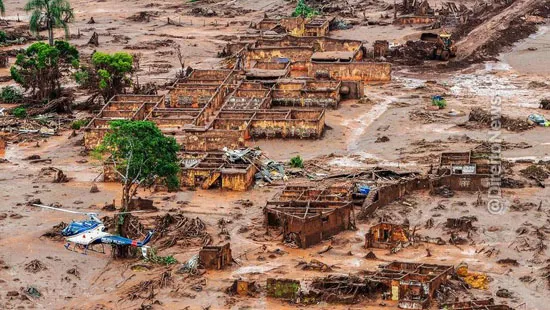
(112, 72)
(41, 67)
(51, 14)
(142, 155)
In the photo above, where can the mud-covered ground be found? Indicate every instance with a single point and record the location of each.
(395, 110)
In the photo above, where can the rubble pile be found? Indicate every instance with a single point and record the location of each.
(56, 174)
(484, 118)
(177, 229)
(143, 16)
(55, 232)
(35, 266)
(413, 52)
(347, 289)
(148, 289)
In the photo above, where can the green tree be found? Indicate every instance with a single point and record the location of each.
(2, 8)
(112, 72)
(302, 9)
(141, 155)
(41, 67)
(50, 14)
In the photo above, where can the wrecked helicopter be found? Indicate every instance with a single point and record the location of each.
(86, 234)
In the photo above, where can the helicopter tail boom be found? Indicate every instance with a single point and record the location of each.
(126, 241)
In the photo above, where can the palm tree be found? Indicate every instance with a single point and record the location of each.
(49, 13)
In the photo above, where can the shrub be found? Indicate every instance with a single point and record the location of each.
(41, 67)
(297, 162)
(19, 112)
(302, 9)
(161, 260)
(79, 123)
(3, 37)
(10, 94)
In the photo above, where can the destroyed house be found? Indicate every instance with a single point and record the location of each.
(293, 25)
(309, 215)
(235, 111)
(120, 107)
(268, 71)
(312, 49)
(306, 93)
(386, 235)
(281, 54)
(214, 169)
(316, 27)
(468, 171)
(296, 26)
(319, 44)
(413, 285)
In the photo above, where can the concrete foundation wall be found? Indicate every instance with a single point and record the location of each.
(212, 140)
(93, 137)
(287, 128)
(238, 181)
(410, 20)
(351, 71)
(269, 54)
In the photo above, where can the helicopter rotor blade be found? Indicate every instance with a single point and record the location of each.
(130, 212)
(85, 213)
(60, 209)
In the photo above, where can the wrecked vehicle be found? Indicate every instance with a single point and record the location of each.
(538, 119)
(445, 47)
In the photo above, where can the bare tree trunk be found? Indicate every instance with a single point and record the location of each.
(123, 251)
(50, 33)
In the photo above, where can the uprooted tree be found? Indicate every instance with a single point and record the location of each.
(142, 156)
(41, 67)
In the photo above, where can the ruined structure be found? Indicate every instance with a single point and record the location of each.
(416, 12)
(469, 171)
(215, 257)
(211, 109)
(297, 26)
(413, 285)
(129, 107)
(410, 285)
(386, 236)
(457, 171)
(308, 215)
(211, 169)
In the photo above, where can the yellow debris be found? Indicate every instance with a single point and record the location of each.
(477, 280)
